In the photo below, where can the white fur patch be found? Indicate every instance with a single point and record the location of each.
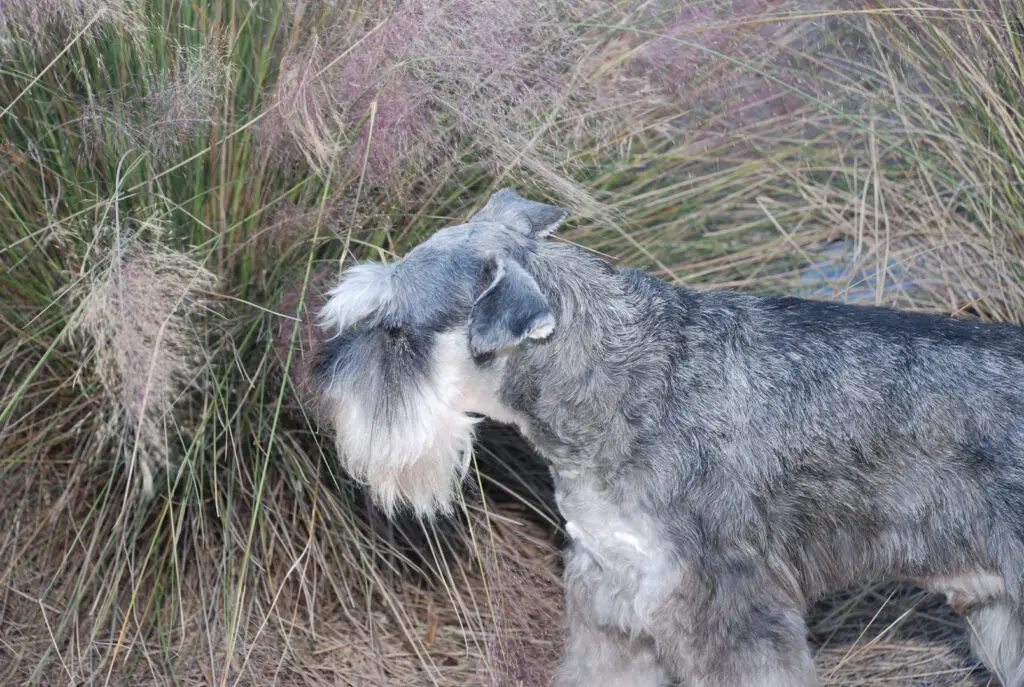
(420, 455)
(997, 638)
(620, 558)
(965, 591)
(543, 328)
(598, 544)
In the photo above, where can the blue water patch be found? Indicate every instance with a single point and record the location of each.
(833, 275)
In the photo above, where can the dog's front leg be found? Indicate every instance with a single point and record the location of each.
(736, 629)
(602, 656)
(597, 654)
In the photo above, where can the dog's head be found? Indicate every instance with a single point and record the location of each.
(418, 346)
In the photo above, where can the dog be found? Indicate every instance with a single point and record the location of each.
(721, 459)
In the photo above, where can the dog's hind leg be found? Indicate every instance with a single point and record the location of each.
(996, 623)
(997, 638)
(767, 648)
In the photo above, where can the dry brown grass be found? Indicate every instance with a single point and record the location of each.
(496, 623)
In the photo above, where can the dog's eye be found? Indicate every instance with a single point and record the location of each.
(484, 359)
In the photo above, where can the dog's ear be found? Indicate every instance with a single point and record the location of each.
(507, 207)
(509, 311)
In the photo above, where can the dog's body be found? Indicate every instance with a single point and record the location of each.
(720, 459)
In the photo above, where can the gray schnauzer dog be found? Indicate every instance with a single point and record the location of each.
(721, 460)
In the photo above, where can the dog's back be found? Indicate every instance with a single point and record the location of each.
(901, 433)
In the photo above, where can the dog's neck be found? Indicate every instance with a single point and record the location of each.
(582, 397)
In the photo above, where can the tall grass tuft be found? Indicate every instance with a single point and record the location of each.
(136, 319)
(181, 181)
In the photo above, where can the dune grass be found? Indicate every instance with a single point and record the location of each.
(180, 180)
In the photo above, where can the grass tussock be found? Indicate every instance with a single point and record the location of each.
(180, 182)
(31, 28)
(136, 322)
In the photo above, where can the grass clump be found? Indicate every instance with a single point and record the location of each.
(136, 323)
(180, 182)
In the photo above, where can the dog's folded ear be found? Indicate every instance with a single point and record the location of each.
(534, 219)
(509, 311)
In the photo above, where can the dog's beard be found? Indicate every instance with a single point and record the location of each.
(415, 458)
(412, 450)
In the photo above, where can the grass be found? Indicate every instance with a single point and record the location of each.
(180, 180)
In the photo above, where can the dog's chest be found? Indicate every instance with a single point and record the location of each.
(618, 565)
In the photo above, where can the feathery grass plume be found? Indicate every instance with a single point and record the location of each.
(190, 95)
(181, 103)
(725, 60)
(34, 25)
(391, 94)
(324, 103)
(137, 321)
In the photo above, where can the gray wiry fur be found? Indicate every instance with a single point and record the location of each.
(720, 459)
